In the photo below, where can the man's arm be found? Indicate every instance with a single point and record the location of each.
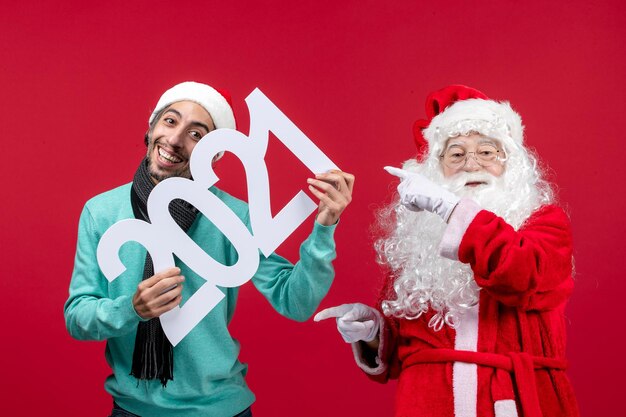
(89, 312)
(296, 291)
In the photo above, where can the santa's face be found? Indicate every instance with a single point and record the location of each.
(474, 155)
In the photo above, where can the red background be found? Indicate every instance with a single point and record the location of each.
(78, 81)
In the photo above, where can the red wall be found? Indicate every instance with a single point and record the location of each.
(78, 81)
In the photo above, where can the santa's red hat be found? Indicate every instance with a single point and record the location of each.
(458, 110)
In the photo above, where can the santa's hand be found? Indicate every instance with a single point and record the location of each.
(354, 321)
(419, 193)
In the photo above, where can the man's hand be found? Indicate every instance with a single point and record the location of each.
(334, 189)
(354, 321)
(419, 193)
(158, 294)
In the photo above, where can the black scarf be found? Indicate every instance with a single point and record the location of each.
(154, 356)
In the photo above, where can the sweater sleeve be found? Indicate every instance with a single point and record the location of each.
(295, 291)
(382, 365)
(529, 268)
(89, 312)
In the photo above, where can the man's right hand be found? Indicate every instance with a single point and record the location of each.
(158, 294)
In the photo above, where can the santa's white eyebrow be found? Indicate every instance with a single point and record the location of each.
(455, 144)
(489, 141)
(481, 141)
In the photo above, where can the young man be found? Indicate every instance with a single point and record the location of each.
(201, 376)
(479, 261)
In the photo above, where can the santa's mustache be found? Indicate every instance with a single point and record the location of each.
(457, 183)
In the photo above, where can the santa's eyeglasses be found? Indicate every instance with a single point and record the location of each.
(485, 155)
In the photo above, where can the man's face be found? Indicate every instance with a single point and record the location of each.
(173, 138)
(472, 154)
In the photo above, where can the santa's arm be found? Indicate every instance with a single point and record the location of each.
(371, 336)
(529, 268)
(378, 360)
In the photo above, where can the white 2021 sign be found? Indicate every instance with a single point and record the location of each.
(163, 239)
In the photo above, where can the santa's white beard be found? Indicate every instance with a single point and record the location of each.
(423, 279)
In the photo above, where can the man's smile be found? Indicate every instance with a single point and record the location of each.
(168, 158)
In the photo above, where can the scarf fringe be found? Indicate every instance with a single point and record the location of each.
(153, 357)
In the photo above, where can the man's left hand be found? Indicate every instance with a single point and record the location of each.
(334, 189)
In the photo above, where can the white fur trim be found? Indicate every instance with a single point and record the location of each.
(209, 98)
(505, 408)
(465, 375)
(462, 216)
(490, 118)
(359, 357)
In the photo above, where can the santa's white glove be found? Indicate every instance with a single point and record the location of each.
(354, 321)
(419, 193)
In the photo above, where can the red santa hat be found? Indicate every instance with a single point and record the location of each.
(458, 110)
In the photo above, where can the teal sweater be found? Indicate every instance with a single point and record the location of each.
(208, 377)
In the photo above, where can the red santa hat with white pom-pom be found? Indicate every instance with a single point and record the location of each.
(459, 110)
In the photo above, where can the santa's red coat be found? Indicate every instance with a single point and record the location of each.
(507, 358)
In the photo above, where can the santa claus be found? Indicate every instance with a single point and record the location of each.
(479, 260)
